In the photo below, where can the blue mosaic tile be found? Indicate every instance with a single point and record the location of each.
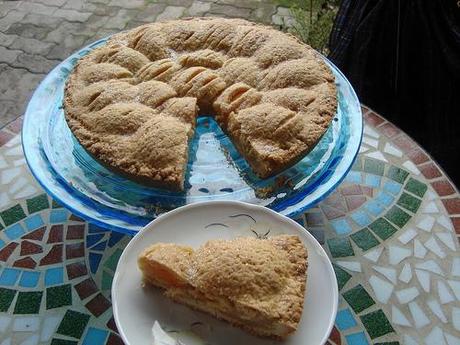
(93, 239)
(9, 276)
(94, 261)
(34, 222)
(361, 218)
(95, 229)
(374, 208)
(345, 319)
(54, 276)
(95, 336)
(354, 177)
(372, 181)
(341, 226)
(392, 187)
(357, 339)
(14, 231)
(29, 279)
(100, 246)
(58, 216)
(2, 244)
(115, 237)
(384, 199)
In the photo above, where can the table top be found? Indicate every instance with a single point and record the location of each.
(390, 230)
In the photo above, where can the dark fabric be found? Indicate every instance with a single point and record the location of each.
(403, 59)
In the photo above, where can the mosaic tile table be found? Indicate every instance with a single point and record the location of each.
(390, 230)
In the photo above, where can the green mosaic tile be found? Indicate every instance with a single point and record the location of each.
(358, 298)
(58, 296)
(107, 279)
(364, 239)
(54, 204)
(397, 174)
(376, 324)
(28, 302)
(357, 165)
(6, 297)
(13, 215)
(409, 202)
(63, 342)
(340, 247)
(37, 203)
(397, 216)
(416, 187)
(373, 166)
(73, 324)
(112, 261)
(382, 228)
(342, 276)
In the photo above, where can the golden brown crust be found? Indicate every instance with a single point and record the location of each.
(257, 284)
(244, 73)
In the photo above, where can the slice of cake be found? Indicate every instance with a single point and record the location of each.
(255, 284)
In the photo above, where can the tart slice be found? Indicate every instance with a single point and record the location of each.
(255, 284)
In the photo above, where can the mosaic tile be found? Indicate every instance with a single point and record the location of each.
(372, 181)
(392, 150)
(382, 289)
(53, 256)
(451, 340)
(342, 276)
(384, 199)
(455, 271)
(361, 218)
(411, 167)
(423, 278)
(55, 234)
(55, 204)
(49, 326)
(28, 302)
(107, 279)
(112, 261)
(444, 294)
(447, 239)
(435, 337)
(392, 187)
(371, 132)
(419, 250)
(9, 175)
(455, 286)
(6, 252)
(76, 270)
(357, 339)
(397, 174)
(58, 216)
(387, 272)
(4, 322)
(95, 336)
(406, 295)
(426, 223)
(382, 228)
(73, 324)
(431, 266)
(445, 222)
(406, 273)
(364, 239)
(28, 248)
(4, 200)
(94, 261)
(341, 226)
(75, 232)
(452, 205)
(34, 222)
(54, 276)
(329, 212)
(36, 235)
(26, 192)
(434, 247)
(93, 239)
(32, 340)
(397, 216)
(374, 167)
(416, 187)
(354, 201)
(376, 155)
(102, 245)
(398, 318)
(409, 202)
(114, 340)
(345, 320)
(17, 185)
(354, 177)
(408, 340)
(374, 254)
(340, 247)
(111, 325)
(58, 296)
(6, 297)
(14, 231)
(38, 203)
(418, 315)
(456, 318)
(358, 298)
(93, 228)
(26, 324)
(12, 215)
(437, 310)
(74, 250)
(430, 171)
(25, 263)
(9, 276)
(98, 305)
(408, 235)
(350, 265)
(86, 288)
(29, 279)
(396, 254)
(376, 324)
(313, 219)
(443, 187)
(430, 208)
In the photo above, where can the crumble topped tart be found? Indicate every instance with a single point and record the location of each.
(255, 284)
(132, 103)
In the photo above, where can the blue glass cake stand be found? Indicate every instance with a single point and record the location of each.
(216, 171)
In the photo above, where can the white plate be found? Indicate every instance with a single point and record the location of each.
(136, 308)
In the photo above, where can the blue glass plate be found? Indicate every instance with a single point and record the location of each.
(216, 171)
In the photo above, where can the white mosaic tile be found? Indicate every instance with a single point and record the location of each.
(397, 254)
(371, 132)
(4, 200)
(426, 223)
(437, 310)
(15, 151)
(3, 163)
(433, 246)
(26, 323)
(456, 267)
(376, 155)
(6, 342)
(350, 265)
(382, 289)
(398, 317)
(451, 340)
(389, 273)
(371, 142)
(4, 322)
(374, 254)
(49, 327)
(455, 286)
(406, 295)
(32, 340)
(406, 273)
(430, 265)
(26, 192)
(19, 162)
(411, 167)
(392, 150)
(363, 149)
(456, 318)
(444, 294)
(445, 222)
(17, 185)
(418, 315)
(408, 340)
(13, 142)
(419, 250)
(430, 208)
(447, 239)
(9, 175)
(435, 337)
(423, 278)
(408, 235)
(430, 195)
